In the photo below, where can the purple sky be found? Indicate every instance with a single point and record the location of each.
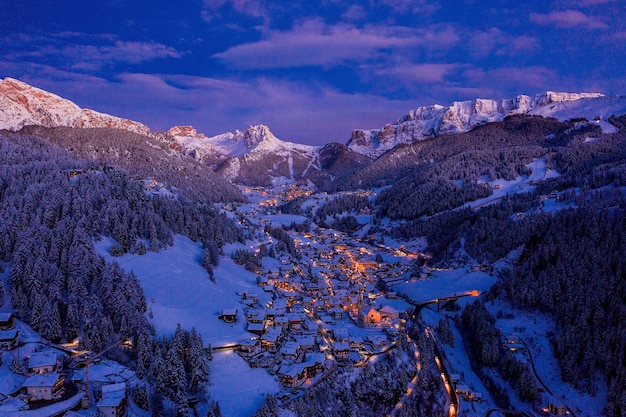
(312, 71)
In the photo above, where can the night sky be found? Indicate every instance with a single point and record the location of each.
(313, 70)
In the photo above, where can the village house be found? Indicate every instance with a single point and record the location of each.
(377, 340)
(368, 316)
(281, 321)
(9, 339)
(389, 313)
(341, 350)
(7, 321)
(228, 315)
(270, 340)
(337, 313)
(256, 328)
(42, 362)
(292, 351)
(295, 321)
(46, 386)
(307, 343)
(113, 401)
(292, 375)
(356, 342)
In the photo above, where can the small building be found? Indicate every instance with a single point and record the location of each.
(270, 340)
(390, 313)
(7, 321)
(47, 386)
(337, 313)
(9, 339)
(295, 321)
(341, 350)
(113, 401)
(281, 321)
(377, 340)
(307, 343)
(42, 362)
(368, 316)
(229, 315)
(292, 351)
(256, 328)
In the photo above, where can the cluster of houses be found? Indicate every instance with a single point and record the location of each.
(46, 374)
(314, 322)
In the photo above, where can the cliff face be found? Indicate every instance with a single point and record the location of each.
(24, 105)
(428, 121)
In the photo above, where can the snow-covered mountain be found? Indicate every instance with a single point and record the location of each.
(254, 157)
(429, 121)
(256, 139)
(24, 105)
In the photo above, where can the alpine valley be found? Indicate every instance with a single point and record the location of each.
(463, 260)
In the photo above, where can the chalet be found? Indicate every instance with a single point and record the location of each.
(377, 340)
(113, 401)
(228, 315)
(292, 352)
(558, 410)
(341, 350)
(256, 328)
(256, 316)
(307, 343)
(292, 375)
(281, 321)
(368, 316)
(47, 386)
(337, 313)
(112, 407)
(314, 364)
(463, 390)
(7, 321)
(390, 313)
(249, 346)
(270, 340)
(9, 339)
(356, 342)
(341, 335)
(42, 362)
(295, 321)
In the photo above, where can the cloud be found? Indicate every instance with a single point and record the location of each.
(251, 8)
(314, 43)
(86, 52)
(418, 73)
(567, 19)
(415, 7)
(353, 13)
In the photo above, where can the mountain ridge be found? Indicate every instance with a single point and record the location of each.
(462, 116)
(21, 105)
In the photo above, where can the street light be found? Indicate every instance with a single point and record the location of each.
(86, 400)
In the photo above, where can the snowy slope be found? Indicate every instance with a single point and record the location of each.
(22, 105)
(462, 116)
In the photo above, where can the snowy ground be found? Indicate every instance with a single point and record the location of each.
(239, 389)
(446, 283)
(518, 185)
(178, 290)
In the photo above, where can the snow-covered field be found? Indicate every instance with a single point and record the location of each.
(178, 290)
(239, 389)
(446, 283)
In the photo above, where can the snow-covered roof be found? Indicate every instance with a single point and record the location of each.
(39, 359)
(114, 390)
(42, 380)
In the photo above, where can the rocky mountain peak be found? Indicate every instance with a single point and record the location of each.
(22, 105)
